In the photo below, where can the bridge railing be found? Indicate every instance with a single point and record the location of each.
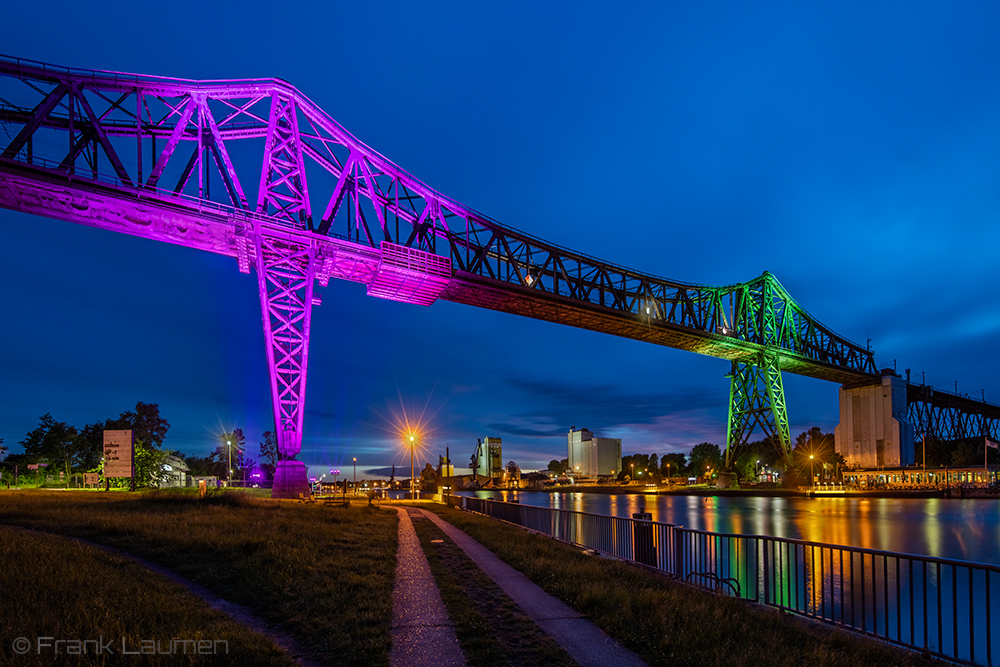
(939, 606)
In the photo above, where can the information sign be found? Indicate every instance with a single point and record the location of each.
(118, 453)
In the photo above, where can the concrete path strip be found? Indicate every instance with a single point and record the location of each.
(583, 640)
(422, 633)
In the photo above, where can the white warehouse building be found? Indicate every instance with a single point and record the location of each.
(590, 456)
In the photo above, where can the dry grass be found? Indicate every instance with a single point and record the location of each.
(324, 574)
(55, 588)
(667, 623)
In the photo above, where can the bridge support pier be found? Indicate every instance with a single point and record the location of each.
(757, 398)
(285, 274)
(874, 431)
(290, 479)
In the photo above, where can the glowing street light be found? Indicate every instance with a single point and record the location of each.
(355, 490)
(412, 446)
(229, 444)
(811, 474)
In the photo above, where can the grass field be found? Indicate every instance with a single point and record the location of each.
(102, 607)
(323, 574)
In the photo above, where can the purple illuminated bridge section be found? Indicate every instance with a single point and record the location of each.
(253, 169)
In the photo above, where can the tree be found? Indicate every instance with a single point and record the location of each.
(269, 454)
(814, 452)
(55, 441)
(678, 464)
(145, 423)
(148, 466)
(557, 466)
(229, 453)
(3, 450)
(966, 453)
(654, 464)
(704, 457)
(201, 466)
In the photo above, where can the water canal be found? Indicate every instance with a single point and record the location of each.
(967, 529)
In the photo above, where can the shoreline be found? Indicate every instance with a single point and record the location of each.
(949, 493)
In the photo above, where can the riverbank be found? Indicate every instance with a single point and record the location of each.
(957, 492)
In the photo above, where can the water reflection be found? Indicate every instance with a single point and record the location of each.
(966, 529)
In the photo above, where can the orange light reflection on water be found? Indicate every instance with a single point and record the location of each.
(946, 528)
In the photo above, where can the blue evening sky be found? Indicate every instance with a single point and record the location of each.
(850, 148)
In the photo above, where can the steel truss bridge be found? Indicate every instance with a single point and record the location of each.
(944, 415)
(154, 157)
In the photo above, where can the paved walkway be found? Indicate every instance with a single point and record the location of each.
(583, 640)
(422, 633)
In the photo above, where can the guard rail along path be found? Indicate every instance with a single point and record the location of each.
(936, 605)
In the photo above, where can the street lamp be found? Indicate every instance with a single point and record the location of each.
(812, 475)
(354, 491)
(229, 444)
(412, 445)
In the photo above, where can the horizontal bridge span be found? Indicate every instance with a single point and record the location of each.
(151, 156)
(161, 217)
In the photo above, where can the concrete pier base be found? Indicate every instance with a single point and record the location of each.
(290, 480)
(873, 431)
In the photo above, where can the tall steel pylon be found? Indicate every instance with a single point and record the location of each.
(756, 394)
(286, 272)
(757, 398)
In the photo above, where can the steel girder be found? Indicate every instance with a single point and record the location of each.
(946, 416)
(188, 127)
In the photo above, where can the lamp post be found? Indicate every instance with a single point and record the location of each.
(411, 467)
(354, 491)
(229, 445)
(633, 472)
(812, 475)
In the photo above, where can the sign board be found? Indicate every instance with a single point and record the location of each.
(91, 478)
(118, 453)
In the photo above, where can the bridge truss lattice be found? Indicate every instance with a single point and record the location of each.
(255, 170)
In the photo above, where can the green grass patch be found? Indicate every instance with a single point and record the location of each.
(325, 574)
(54, 588)
(667, 623)
(492, 630)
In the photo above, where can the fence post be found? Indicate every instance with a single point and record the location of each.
(767, 570)
(643, 546)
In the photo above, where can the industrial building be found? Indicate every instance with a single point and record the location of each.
(592, 457)
(488, 458)
(873, 431)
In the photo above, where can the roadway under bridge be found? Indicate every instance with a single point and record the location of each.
(151, 157)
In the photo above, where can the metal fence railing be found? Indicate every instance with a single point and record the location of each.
(935, 605)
